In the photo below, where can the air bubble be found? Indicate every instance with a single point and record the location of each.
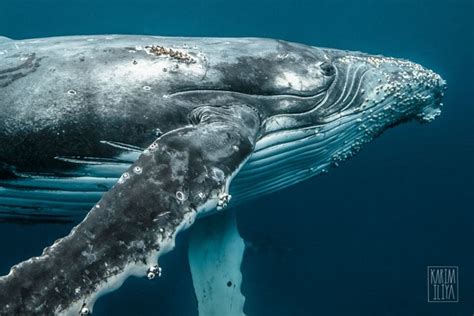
(71, 92)
(137, 170)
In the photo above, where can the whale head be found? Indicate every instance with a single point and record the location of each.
(359, 96)
(399, 90)
(376, 90)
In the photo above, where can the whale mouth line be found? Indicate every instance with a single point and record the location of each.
(238, 93)
(352, 86)
(331, 102)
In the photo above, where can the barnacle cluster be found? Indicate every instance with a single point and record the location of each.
(223, 200)
(153, 271)
(404, 91)
(175, 54)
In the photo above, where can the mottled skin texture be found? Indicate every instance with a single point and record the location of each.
(63, 96)
(135, 216)
(75, 93)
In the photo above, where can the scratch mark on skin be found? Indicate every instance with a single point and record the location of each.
(9, 75)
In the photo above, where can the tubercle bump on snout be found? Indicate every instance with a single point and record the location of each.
(409, 88)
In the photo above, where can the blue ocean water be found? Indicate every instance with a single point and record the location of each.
(356, 241)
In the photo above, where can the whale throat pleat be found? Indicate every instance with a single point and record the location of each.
(289, 157)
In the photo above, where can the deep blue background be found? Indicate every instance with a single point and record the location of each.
(353, 242)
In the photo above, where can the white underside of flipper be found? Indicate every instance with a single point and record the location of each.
(215, 254)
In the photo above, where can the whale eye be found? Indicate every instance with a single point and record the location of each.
(327, 68)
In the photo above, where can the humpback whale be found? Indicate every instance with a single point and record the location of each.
(146, 136)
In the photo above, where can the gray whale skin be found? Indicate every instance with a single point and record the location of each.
(147, 135)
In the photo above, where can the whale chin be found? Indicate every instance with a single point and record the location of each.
(428, 114)
(432, 109)
(284, 158)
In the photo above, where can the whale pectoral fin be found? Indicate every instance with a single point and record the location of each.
(182, 174)
(215, 254)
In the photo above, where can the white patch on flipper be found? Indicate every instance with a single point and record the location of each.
(215, 255)
(134, 269)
